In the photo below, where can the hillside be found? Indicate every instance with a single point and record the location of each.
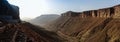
(26, 32)
(100, 25)
(44, 19)
(13, 29)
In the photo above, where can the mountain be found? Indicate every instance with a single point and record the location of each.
(102, 25)
(26, 32)
(44, 19)
(13, 29)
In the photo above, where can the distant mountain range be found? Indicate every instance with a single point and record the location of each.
(44, 19)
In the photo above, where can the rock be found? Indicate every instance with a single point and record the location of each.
(117, 11)
(87, 14)
(71, 14)
(103, 12)
(8, 12)
(94, 13)
(100, 13)
(100, 25)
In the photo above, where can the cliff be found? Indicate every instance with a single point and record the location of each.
(100, 25)
(105, 12)
(117, 11)
(9, 13)
(12, 29)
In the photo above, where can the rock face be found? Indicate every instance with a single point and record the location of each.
(94, 13)
(70, 13)
(117, 11)
(100, 25)
(105, 12)
(8, 12)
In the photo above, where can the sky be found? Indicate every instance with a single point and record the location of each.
(35, 8)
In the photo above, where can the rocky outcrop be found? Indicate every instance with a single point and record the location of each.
(70, 13)
(13, 30)
(106, 12)
(94, 13)
(102, 13)
(117, 11)
(8, 13)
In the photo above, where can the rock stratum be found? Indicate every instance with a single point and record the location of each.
(105, 12)
(102, 25)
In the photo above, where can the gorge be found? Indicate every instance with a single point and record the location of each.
(100, 25)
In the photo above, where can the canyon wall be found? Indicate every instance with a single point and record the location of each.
(117, 11)
(100, 25)
(103, 13)
(9, 13)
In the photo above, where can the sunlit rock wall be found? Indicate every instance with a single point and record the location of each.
(113, 12)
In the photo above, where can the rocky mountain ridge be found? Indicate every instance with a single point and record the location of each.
(44, 19)
(105, 12)
(89, 26)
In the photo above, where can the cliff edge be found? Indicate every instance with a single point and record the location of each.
(105, 12)
(100, 25)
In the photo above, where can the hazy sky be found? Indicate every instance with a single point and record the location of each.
(34, 8)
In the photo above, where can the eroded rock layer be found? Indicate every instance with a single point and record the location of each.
(100, 25)
(105, 12)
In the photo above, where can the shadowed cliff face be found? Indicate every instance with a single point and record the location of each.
(8, 13)
(100, 25)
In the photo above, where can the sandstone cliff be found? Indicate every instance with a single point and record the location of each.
(117, 11)
(100, 25)
(105, 12)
